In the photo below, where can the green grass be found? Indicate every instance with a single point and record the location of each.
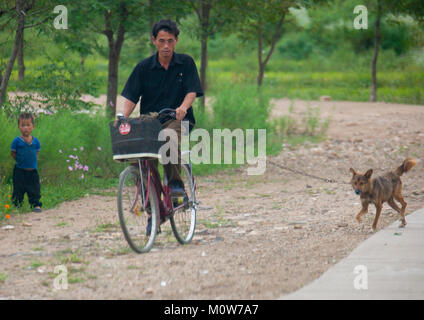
(36, 264)
(106, 227)
(393, 86)
(62, 224)
(3, 277)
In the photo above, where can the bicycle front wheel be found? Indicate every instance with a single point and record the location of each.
(133, 216)
(183, 220)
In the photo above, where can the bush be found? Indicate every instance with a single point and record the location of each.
(296, 47)
(236, 106)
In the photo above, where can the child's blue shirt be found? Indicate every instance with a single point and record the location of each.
(26, 154)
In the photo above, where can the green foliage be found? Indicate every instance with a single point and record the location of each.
(297, 47)
(54, 86)
(236, 106)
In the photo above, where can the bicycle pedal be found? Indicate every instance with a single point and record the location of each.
(179, 200)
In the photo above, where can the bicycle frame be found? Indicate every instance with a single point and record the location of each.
(162, 190)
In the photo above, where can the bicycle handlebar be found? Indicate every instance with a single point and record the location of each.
(165, 111)
(171, 112)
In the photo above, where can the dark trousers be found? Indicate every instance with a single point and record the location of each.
(173, 171)
(26, 181)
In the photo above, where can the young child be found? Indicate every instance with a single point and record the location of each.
(24, 150)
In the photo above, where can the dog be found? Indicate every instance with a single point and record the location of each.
(381, 189)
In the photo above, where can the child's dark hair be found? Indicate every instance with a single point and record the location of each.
(165, 25)
(26, 116)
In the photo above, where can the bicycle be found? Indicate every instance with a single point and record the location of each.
(142, 195)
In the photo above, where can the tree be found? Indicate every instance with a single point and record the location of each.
(266, 16)
(20, 12)
(263, 23)
(112, 19)
(212, 16)
(395, 7)
(373, 96)
(203, 11)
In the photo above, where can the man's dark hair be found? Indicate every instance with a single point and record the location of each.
(26, 116)
(165, 25)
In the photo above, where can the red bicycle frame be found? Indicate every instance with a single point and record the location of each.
(162, 190)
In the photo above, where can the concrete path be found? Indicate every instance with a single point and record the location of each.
(388, 265)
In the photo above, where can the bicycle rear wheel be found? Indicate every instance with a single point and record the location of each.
(132, 215)
(183, 220)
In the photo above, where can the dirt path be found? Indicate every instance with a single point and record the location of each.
(258, 236)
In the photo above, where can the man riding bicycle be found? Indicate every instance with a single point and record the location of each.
(165, 80)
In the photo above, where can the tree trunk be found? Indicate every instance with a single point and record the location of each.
(9, 67)
(21, 72)
(151, 24)
(373, 96)
(112, 82)
(203, 67)
(82, 61)
(262, 64)
(114, 52)
(204, 14)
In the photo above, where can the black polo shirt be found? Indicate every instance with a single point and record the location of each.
(159, 88)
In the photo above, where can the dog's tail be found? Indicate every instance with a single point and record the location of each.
(407, 165)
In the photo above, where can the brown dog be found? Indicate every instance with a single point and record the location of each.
(381, 189)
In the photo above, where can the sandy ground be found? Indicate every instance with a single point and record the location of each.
(258, 237)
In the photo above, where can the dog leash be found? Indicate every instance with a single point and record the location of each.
(305, 174)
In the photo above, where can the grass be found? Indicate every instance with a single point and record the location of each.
(36, 264)
(70, 256)
(106, 227)
(73, 280)
(62, 224)
(3, 277)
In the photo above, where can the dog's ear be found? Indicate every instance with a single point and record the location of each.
(368, 174)
(353, 171)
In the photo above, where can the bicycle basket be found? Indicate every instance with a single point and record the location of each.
(136, 138)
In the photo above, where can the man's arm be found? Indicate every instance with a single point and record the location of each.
(181, 111)
(13, 154)
(128, 107)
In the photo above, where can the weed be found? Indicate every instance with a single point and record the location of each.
(3, 277)
(62, 224)
(36, 264)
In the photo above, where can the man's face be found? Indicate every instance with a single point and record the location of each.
(165, 43)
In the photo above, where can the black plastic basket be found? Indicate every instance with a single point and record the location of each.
(135, 138)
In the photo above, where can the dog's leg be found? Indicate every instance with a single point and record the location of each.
(393, 204)
(363, 210)
(402, 201)
(377, 215)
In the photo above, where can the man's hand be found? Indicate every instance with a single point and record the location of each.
(128, 107)
(180, 113)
